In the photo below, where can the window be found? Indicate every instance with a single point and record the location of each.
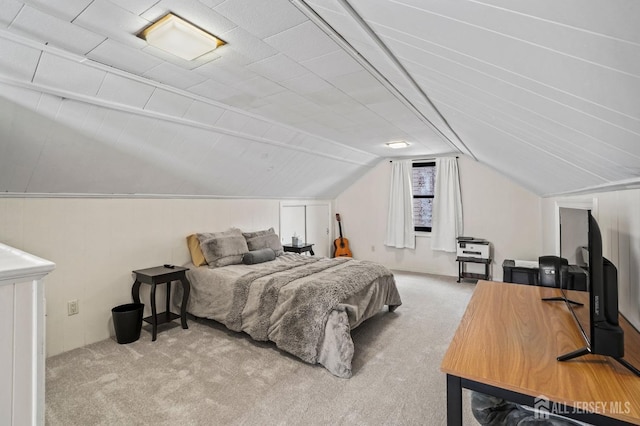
(423, 185)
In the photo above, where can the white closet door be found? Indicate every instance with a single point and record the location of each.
(318, 224)
(292, 221)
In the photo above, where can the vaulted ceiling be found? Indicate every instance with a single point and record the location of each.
(304, 96)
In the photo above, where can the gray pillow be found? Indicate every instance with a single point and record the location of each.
(258, 256)
(264, 239)
(223, 248)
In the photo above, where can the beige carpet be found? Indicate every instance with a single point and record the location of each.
(207, 375)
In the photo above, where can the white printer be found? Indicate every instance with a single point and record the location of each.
(472, 247)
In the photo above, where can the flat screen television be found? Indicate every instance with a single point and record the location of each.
(600, 328)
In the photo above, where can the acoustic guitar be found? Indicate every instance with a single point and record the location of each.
(341, 245)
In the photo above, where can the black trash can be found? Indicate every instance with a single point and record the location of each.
(127, 320)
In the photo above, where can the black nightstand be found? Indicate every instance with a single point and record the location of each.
(299, 249)
(160, 275)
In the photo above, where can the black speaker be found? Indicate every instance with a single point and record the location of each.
(553, 271)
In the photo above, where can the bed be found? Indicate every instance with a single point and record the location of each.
(306, 305)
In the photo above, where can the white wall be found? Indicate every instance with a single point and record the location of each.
(96, 243)
(619, 222)
(495, 209)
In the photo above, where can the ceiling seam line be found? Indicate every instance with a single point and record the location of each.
(178, 120)
(35, 69)
(97, 65)
(561, 24)
(522, 76)
(82, 11)
(524, 142)
(521, 40)
(543, 117)
(347, 6)
(632, 183)
(351, 51)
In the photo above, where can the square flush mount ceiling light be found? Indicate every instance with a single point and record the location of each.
(179, 37)
(397, 144)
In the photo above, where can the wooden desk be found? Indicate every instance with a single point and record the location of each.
(507, 343)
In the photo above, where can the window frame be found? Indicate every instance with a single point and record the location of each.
(429, 163)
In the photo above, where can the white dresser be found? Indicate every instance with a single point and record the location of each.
(22, 332)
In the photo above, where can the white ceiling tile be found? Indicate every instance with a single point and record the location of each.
(330, 97)
(262, 18)
(589, 46)
(136, 7)
(193, 11)
(619, 20)
(21, 142)
(203, 113)
(9, 10)
(291, 99)
(48, 105)
(259, 86)
(244, 101)
(279, 133)
(332, 64)
(214, 90)
(278, 68)
(330, 5)
(306, 83)
(176, 60)
(280, 114)
(355, 81)
(123, 57)
(212, 3)
(68, 75)
(17, 60)
(242, 123)
(125, 91)
(110, 20)
(168, 103)
(224, 72)
(174, 76)
(48, 29)
(249, 46)
(303, 42)
(24, 97)
(64, 9)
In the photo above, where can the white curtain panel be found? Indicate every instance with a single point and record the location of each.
(447, 206)
(400, 231)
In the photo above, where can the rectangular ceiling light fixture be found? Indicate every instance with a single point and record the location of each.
(397, 144)
(179, 37)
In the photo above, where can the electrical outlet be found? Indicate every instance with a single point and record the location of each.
(72, 307)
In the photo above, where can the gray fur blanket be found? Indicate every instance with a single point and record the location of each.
(306, 305)
(302, 327)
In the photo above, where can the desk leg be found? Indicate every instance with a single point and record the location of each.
(154, 316)
(311, 252)
(186, 289)
(135, 291)
(454, 400)
(168, 309)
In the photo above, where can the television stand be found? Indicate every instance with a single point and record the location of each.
(586, 351)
